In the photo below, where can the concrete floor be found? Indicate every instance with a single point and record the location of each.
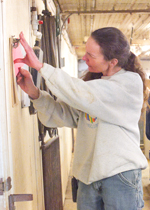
(70, 205)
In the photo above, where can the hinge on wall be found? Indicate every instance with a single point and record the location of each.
(18, 198)
(15, 42)
(5, 185)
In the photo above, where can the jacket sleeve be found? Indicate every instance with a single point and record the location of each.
(117, 100)
(55, 113)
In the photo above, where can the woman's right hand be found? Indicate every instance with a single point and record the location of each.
(25, 81)
(30, 59)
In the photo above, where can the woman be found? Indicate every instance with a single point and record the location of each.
(105, 110)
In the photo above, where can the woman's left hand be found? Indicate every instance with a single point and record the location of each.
(25, 81)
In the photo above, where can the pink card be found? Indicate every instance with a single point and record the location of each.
(18, 53)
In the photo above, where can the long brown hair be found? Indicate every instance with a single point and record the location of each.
(114, 44)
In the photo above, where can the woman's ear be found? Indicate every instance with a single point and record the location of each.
(114, 62)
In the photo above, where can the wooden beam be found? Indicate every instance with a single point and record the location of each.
(95, 12)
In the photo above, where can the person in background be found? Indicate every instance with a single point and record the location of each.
(147, 127)
(105, 107)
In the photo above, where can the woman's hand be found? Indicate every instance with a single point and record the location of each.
(30, 59)
(25, 81)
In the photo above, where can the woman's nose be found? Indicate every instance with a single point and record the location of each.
(84, 57)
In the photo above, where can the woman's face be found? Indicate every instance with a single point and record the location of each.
(94, 58)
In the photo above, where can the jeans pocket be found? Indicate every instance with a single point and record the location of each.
(133, 179)
(130, 178)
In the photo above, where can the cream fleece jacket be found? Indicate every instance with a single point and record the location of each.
(105, 112)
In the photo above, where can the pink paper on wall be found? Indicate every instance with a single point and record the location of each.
(17, 53)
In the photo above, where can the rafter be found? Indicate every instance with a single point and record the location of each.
(95, 12)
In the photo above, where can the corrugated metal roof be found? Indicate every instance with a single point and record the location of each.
(88, 15)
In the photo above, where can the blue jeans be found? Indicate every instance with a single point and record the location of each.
(120, 192)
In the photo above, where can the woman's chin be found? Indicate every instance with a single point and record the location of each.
(90, 69)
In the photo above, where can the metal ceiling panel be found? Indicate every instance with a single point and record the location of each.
(132, 17)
